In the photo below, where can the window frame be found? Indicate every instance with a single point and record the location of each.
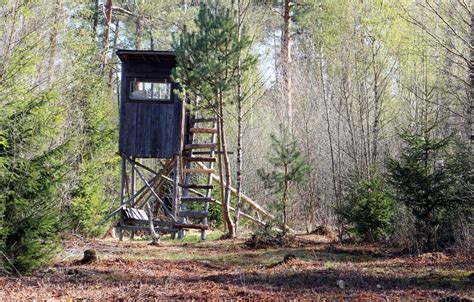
(130, 80)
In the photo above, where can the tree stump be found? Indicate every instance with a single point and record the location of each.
(289, 257)
(90, 256)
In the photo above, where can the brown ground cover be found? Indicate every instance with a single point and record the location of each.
(218, 269)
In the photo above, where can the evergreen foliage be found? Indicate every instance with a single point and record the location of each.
(207, 59)
(31, 167)
(432, 181)
(367, 208)
(208, 62)
(57, 135)
(96, 168)
(290, 168)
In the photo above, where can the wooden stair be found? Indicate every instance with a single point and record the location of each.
(191, 157)
(198, 170)
(200, 146)
(196, 186)
(203, 130)
(201, 159)
(196, 199)
(204, 120)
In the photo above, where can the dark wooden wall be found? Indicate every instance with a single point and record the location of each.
(148, 129)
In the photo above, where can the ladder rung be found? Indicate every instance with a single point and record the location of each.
(198, 170)
(203, 130)
(206, 159)
(208, 152)
(195, 186)
(201, 146)
(196, 199)
(205, 120)
(191, 226)
(193, 214)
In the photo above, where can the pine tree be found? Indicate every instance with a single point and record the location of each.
(208, 61)
(430, 180)
(367, 208)
(290, 168)
(30, 170)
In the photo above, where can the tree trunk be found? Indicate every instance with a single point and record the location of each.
(328, 124)
(53, 40)
(377, 101)
(239, 128)
(139, 32)
(284, 200)
(286, 62)
(105, 37)
(470, 106)
(114, 47)
(154, 236)
(95, 19)
(224, 170)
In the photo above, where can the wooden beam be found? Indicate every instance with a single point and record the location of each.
(204, 159)
(245, 198)
(147, 229)
(199, 170)
(204, 120)
(200, 146)
(196, 199)
(154, 193)
(122, 195)
(191, 226)
(203, 152)
(176, 189)
(197, 186)
(146, 196)
(247, 216)
(203, 130)
(128, 201)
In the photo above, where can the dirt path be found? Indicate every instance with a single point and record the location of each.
(132, 270)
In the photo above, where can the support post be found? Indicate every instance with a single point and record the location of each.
(132, 185)
(176, 173)
(122, 196)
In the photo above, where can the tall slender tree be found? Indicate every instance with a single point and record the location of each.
(208, 61)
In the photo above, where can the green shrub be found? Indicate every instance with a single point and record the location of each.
(433, 178)
(367, 209)
(29, 178)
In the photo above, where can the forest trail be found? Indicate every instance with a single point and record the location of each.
(213, 269)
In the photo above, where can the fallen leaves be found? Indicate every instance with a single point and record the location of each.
(228, 269)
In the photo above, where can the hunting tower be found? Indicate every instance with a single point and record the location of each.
(167, 148)
(158, 143)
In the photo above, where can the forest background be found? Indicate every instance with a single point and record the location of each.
(376, 94)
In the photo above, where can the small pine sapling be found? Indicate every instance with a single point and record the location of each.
(290, 168)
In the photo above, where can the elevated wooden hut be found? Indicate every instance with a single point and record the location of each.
(163, 145)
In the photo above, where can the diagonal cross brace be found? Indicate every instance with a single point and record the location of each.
(154, 193)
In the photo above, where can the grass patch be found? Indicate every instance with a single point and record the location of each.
(329, 265)
(194, 237)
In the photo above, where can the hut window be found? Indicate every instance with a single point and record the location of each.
(153, 91)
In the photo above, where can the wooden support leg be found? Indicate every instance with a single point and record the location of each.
(122, 197)
(182, 220)
(133, 188)
(176, 173)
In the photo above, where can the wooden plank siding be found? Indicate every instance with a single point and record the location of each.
(148, 129)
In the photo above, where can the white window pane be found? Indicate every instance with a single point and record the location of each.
(150, 91)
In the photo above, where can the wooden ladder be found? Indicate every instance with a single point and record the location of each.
(199, 194)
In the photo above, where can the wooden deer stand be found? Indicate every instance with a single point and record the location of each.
(165, 147)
